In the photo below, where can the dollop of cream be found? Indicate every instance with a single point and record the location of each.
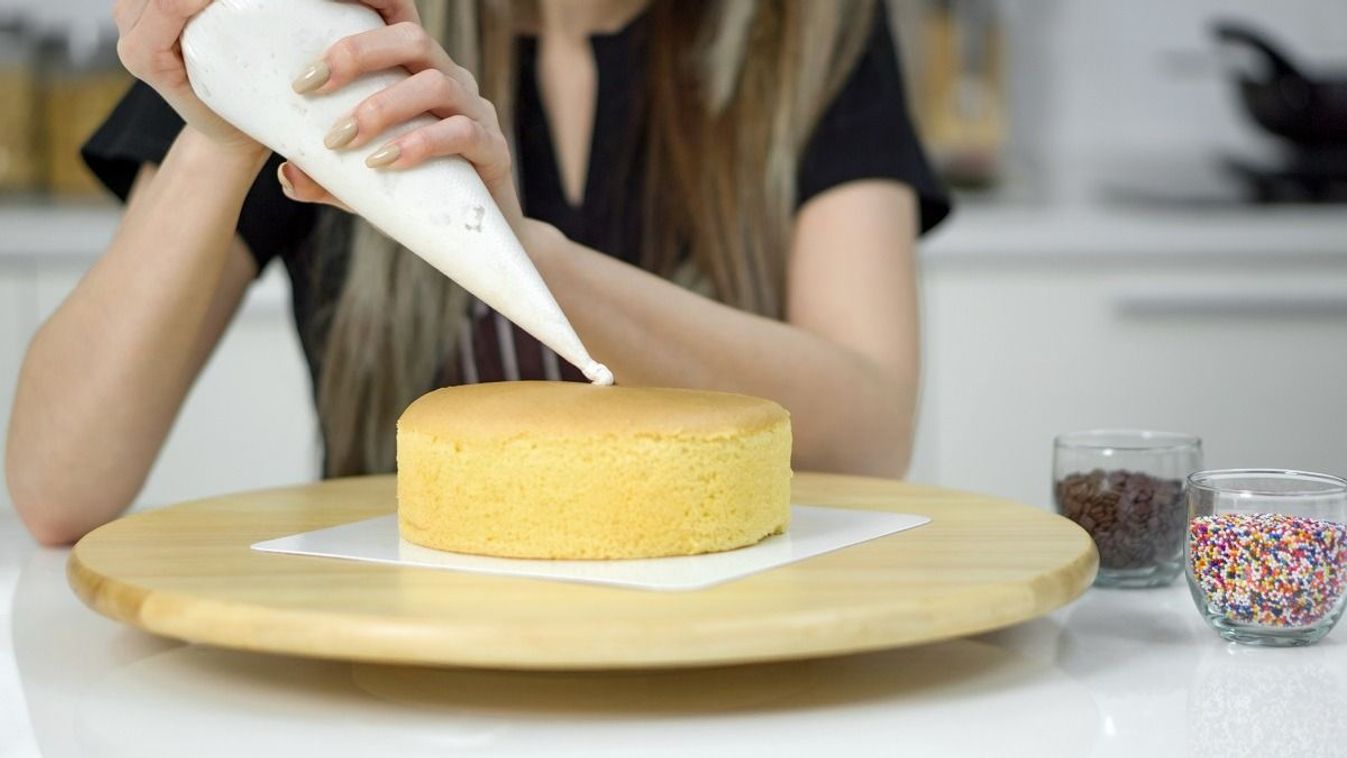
(598, 373)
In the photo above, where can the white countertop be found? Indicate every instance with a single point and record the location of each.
(1016, 235)
(41, 231)
(1118, 673)
(74, 236)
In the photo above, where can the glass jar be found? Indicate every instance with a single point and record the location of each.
(1126, 489)
(1266, 554)
(20, 167)
(82, 82)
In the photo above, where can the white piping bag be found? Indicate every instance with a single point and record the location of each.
(242, 56)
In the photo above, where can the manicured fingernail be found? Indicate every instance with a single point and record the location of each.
(286, 186)
(341, 134)
(384, 156)
(313, 77)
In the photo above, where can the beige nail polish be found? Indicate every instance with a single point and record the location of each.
(313, 77)
(341, 134)
(384, 156)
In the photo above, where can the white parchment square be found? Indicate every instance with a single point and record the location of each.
(813, 531)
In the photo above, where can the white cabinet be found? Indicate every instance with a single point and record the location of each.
(1249, 352)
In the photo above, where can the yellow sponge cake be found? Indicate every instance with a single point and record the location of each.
(564, 470)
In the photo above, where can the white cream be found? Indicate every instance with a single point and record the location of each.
(242, 56)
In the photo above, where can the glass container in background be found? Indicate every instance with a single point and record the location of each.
(953, 59)
(82, 81)
(1266, 554)
(20, 159)
(1126, 489)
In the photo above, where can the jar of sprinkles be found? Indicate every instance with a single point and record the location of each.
(1266, 554)
(1125, 488)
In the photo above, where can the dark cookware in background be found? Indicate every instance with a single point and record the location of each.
(1307, 110)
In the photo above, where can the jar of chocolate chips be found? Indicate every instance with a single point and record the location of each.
(1126, 489)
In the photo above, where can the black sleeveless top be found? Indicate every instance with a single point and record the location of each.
(864, 134)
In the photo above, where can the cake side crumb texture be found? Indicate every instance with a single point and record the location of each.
(558, 470)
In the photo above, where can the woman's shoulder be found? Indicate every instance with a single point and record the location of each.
(866, 131)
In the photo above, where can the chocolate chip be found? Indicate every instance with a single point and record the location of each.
(1136, 520)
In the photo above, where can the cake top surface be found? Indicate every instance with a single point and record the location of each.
(572, 409)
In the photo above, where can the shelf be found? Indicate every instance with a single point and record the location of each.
(995, 236)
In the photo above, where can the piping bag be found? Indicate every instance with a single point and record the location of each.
(242, 56)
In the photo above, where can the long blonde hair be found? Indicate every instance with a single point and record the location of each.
(734, 89)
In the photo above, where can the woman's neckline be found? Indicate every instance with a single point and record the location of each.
(601, 36)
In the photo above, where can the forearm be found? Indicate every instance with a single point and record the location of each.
(105, 375)
(849, 413)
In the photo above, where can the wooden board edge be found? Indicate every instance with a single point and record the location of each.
(163, 614)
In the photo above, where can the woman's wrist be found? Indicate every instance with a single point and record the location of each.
(544, 242)
(220, 159)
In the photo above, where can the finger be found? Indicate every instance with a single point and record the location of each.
(150, 46)
(459, 135)
(430, 91)
(395, 11)
(298, 186)
(161, 21)
(125, 13)
(405, 44)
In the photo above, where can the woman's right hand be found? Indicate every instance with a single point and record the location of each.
(150, 49)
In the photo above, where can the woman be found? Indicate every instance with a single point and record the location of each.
(721, 194)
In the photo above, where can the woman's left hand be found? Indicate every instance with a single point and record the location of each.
(467, 124)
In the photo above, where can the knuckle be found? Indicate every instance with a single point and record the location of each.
(459, 130)
(371, 112)
(408, 31)
(416, 145)
(425, 44)
(344, 56)
(465, 77)
(446, 89)
(413, 36)
(430, 80)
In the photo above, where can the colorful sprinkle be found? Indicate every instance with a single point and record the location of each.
(1268, 568)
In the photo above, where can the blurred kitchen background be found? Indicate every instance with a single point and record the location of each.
(1132, 248)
